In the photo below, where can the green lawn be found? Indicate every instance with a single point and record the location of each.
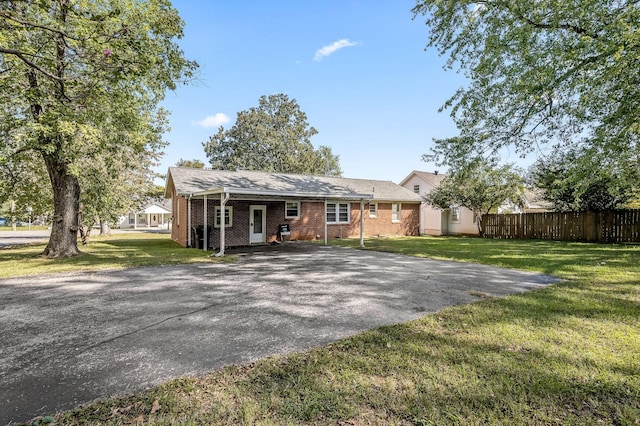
(565, 354)
(125, 250)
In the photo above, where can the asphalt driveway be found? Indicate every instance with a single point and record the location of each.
(71, 338)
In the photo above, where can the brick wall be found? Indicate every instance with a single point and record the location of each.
(309, 226)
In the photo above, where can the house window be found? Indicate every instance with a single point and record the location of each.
(396, 212)
(292, 209)
(455, 213)
(416, 189)
(132, 218)
(228, 217)
(373, 209)
(338, 213)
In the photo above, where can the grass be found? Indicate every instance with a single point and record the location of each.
(126, 250)
(565, 354)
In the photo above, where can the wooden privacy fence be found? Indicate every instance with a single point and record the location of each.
(612, 226)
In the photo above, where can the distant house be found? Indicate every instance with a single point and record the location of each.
(238, 208)
(456, 220)
(154, 215)
(533, 203)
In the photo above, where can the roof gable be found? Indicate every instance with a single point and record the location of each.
(432, 179)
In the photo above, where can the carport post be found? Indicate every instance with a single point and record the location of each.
(204, 242)
(224, 197)
(362, 223)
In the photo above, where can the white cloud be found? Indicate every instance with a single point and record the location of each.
(333, 47)
(213, 120)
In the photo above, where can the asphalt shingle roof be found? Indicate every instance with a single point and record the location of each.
(191, 181)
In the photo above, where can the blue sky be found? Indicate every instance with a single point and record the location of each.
(357, 68)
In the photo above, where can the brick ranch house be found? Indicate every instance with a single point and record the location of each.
(255, 206)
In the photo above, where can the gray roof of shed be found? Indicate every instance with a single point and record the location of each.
(188, 181)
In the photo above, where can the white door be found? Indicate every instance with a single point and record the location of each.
(258, 224)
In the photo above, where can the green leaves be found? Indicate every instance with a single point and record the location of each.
(577, 180)
(557, 73)
(273, 137)
(80, 86)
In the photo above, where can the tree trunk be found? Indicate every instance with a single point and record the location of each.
(66, 200)
(479, 223)
(105, 229)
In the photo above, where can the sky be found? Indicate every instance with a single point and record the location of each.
(357, 68)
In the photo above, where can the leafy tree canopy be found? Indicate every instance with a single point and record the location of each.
(480, 186)
(556, 73)
(578, 180)
(272, 137)
(193, 164)
(25, 182)
(81, 81)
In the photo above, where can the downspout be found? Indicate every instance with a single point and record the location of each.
(204, 230)
(326, 240)
(189, 222)
(224, 197)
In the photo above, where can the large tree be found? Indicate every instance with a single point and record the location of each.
(80, 80)
(579, 180)
(545, 72)
(479, 186)
(273, 137)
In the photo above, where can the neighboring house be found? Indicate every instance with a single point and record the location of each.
(257, 205)
(533, 203)
(435, 221)
(154, 215)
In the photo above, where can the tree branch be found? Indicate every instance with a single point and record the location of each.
(7, 15)
(22, 57)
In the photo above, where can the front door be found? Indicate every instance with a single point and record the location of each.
(258, 224)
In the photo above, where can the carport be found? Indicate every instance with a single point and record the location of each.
(243, 194)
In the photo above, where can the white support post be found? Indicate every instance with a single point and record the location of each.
(204, 231)
(148, 220)
(224, 197)
(362, 223)
(135, 220)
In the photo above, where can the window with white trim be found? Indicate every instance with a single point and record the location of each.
(338, 213)
(396, 212)
(416, 189)
(228, 217)
(292, 209)
(455, 213)
(373, 209)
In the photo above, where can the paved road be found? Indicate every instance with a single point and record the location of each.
(15, 238)
(68, 339)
